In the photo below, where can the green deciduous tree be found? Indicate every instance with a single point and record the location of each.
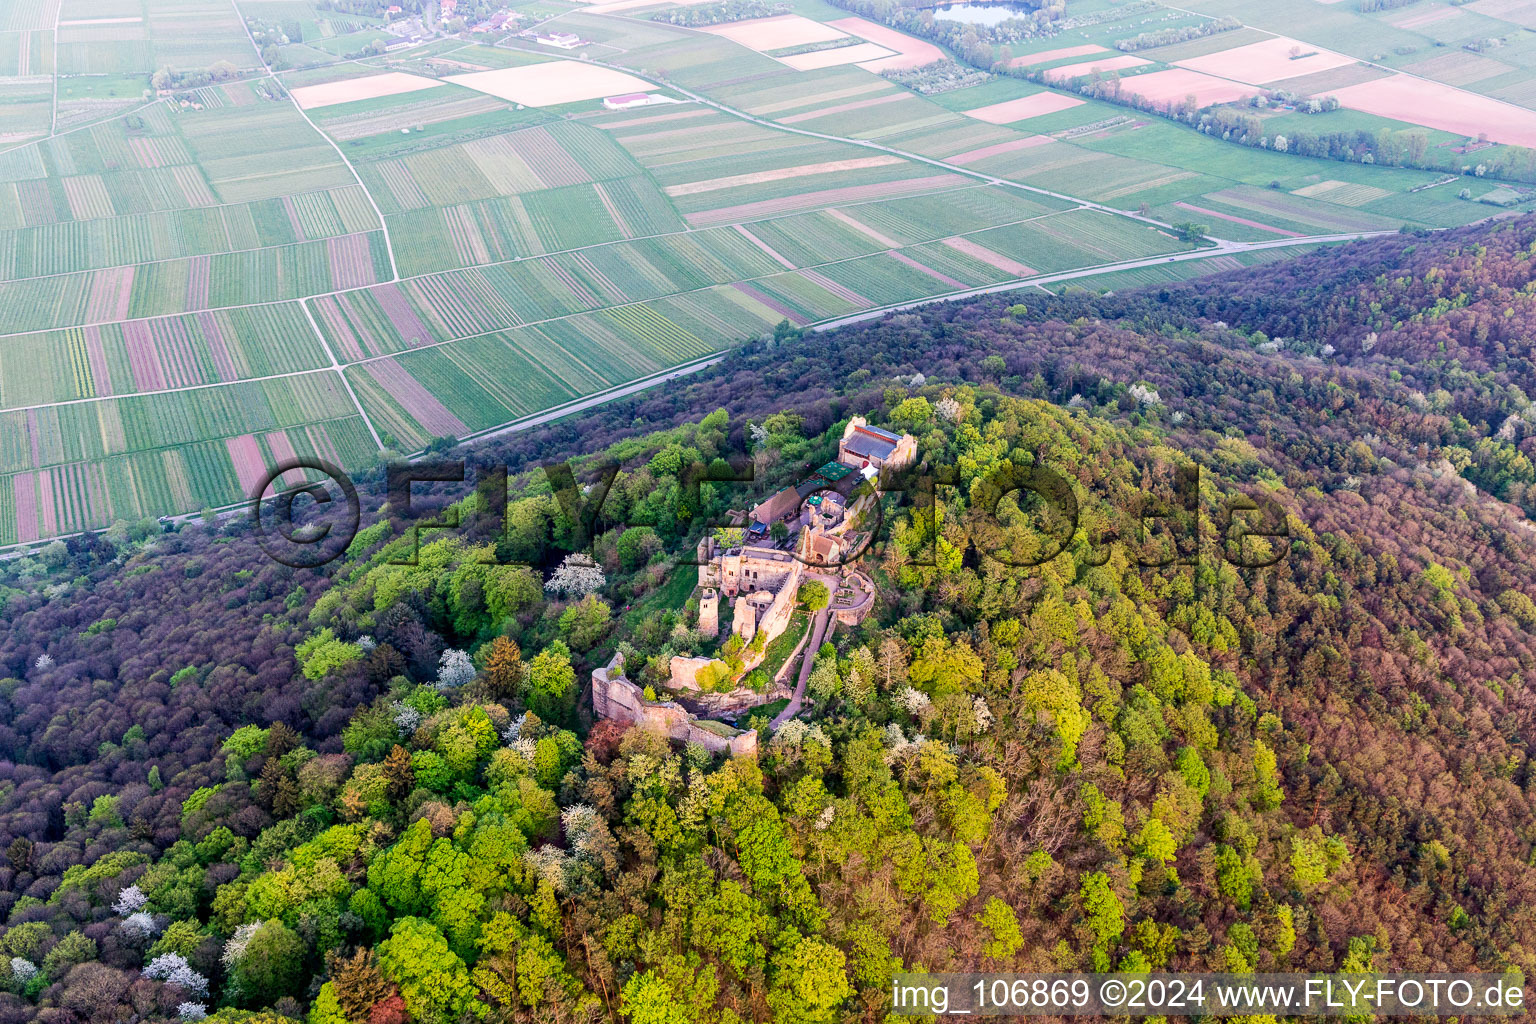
(810, 983)
(272, 965)
(433, 979)
(999, 919)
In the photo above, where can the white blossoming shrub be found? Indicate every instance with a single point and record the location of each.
(454, 669)
(130, 900)
(914, 702)
(43, 663)
(173, 969)
(22, 970)
(790, 734)
(1144, 395)
(366, 644)
(982, 713)
(949, 409)
(141, 924)
(161, 966)
(549, 863)
(192, 1011)
(897, 742)
(511, 733)
(578, 820)
(578, 576)
(407, 718)
(795, 733)
(234, 949)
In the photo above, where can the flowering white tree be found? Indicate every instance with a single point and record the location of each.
(141, 924)
(130, 900)
(407, 718)
(234, 949)
(190, 1011)
(22, 970)
(948, 408)
(914, 701)
(579, 819)
(173, 969)
(549, 863)
(795, 733)
(982, 713)
(454, 669)
(43, 663)
(577, 575)
(514, 730)
(1144, 395)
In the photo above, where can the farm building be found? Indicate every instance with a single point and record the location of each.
(560, 40)
(635, 99)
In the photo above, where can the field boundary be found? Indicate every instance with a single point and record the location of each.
(389, 245)
(626, 389)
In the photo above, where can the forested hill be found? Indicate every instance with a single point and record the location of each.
(374, 793)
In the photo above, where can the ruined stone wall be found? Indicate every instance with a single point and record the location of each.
(615, 697)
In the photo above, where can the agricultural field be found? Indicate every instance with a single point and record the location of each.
(311, 245)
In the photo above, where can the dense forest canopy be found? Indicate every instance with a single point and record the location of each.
(375, 793)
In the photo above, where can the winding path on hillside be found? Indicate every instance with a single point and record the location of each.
(818, 634)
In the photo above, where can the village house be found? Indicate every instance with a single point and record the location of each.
(496, 22)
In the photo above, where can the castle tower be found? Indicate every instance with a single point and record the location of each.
(709, 613)
(706, 555)
(745, 622)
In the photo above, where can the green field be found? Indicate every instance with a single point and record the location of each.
(182, 274)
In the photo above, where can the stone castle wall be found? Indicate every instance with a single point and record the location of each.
(616, 698)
